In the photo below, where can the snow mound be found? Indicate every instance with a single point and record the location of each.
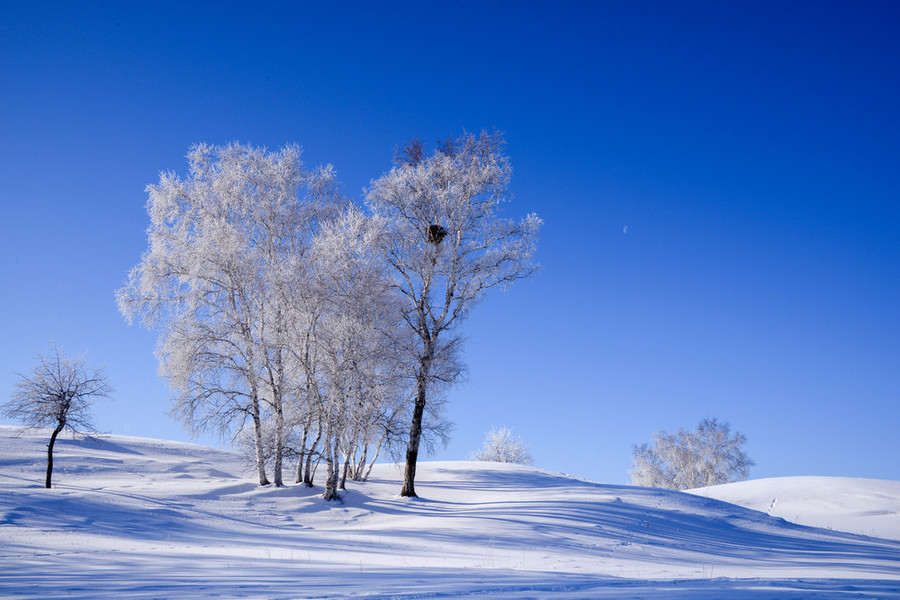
(140, 518)
(865, 506)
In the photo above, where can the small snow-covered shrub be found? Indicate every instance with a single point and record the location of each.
(501, 446)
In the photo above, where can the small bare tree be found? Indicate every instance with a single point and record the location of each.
(711, 455)
(58, 394)
(501, 446)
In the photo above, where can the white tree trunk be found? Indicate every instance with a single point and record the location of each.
(331, 466)
(258, 440)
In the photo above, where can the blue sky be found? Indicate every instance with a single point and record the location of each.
(751, 150)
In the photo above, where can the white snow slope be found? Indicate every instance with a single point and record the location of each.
(864, 506)
(140, 518)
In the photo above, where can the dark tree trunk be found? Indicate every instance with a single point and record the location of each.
(415, 436)
(302, 453)
(50, 453)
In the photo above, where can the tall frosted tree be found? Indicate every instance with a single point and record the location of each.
(225, 245)
(362, 354)
(447, 246)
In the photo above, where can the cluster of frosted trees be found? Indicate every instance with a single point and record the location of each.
(320, 332)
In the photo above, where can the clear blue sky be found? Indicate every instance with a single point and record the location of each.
(751, 149)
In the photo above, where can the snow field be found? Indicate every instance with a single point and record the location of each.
(140, 518)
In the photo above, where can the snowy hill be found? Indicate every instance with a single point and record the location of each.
(141, 518)
(864, 506)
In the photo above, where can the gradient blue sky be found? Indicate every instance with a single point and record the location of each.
(751, 149)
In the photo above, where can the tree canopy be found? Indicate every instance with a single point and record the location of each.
(710, 455)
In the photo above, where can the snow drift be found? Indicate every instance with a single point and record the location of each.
(864, 506)
(141, 518)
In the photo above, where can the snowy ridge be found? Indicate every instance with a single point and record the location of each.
(865, 506)
(140, 518)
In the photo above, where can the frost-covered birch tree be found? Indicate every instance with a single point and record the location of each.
(711, 455)
(447, 246)
(223, 245)
(361, 359)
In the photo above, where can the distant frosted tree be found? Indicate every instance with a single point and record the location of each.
(501, 446)
(57, 393)
(447, 247)
(711, 455)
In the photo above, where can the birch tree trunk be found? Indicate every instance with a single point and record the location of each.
(258, 440)
(365, 477)
(331, 466)
(310, 471)
(361, 464)
(279, 442)
(343, 483)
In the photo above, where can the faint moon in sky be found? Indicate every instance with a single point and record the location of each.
(625, 229)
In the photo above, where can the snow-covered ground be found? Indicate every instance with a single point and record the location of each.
(141, 518)
(864, 506)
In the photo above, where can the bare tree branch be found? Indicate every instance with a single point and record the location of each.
(57, 393)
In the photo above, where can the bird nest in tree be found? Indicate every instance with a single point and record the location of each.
(436, 233)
